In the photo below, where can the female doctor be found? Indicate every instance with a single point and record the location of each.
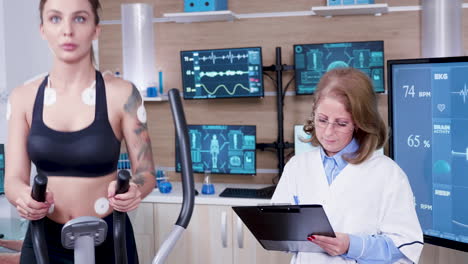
(366, 195)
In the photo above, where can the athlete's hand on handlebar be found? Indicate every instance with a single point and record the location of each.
(30, 209)
(124, 202)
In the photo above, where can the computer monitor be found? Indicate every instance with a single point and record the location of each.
(428, 101)
(313, 60)
(222, 73)
(2, 169)
(299, 145)
(222, 149)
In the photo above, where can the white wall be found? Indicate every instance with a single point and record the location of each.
(2, 49)
(23, 55)
(27, 54)
(2, 75)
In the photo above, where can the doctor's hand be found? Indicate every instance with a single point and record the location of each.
(124, 202)
(334, 246)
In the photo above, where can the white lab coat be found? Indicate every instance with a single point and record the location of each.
(373, 197)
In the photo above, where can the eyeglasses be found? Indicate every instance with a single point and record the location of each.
(339, 126)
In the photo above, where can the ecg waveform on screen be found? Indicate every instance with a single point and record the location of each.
(223, 73)
(463, 93)
(230, 56)
(225, 87)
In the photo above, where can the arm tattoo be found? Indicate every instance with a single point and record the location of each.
(133, 102)
(131, 107)
(141, 128)
(145, 156)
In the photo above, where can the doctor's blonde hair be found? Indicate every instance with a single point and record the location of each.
(354, 89)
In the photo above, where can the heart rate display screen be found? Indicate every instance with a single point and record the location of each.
(429, 119)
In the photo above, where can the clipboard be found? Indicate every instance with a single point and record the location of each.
(286, 227)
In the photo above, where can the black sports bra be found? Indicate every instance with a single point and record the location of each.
(89, 152)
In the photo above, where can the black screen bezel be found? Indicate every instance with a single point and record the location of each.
(427, 238)
(212, 172)
(309, 44)
(224, 97)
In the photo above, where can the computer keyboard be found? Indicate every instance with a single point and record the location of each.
(263, 193)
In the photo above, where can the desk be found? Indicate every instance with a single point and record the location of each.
(215, 234)
(175, 196)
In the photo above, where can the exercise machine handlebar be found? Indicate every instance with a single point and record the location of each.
(188, 189)
(38, 193)
(120, 243)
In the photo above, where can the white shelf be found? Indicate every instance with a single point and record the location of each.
(345, 10)
(155, 99)
(389, 9)
(188, 17)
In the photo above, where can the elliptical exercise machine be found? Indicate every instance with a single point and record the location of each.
(83, 233)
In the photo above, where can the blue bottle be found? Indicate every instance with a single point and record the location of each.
(208, 187)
